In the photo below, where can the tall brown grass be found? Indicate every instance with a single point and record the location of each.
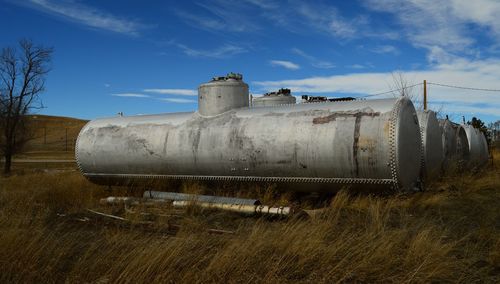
(450, 233)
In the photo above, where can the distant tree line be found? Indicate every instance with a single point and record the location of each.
(479, 124)
(494, 131)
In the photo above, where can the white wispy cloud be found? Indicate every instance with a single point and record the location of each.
(177, 100)
(198, 21)
(180, 92)
(286, 64)
(462, 72)
(224, 51)
(457, 109)
(426, 23)
(445, 24)
(221, 15)
(323, 64)
(315, 62)
(296, 16)
(328, 19)
(356, 66)
(87, 15)
(381, 49)
(131, 95)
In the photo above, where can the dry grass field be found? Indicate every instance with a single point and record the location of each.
(54, 137)
(449, 233)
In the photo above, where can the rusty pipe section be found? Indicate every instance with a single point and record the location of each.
(241, 208)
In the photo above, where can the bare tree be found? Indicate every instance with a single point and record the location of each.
(22, 80)
(403, 87)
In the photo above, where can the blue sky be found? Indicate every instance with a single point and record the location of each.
(137, 58)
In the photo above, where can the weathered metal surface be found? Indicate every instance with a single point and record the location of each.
(281, 97)
(374, 142)
(175, 196)
(432, 154)
(455, 145)
(478, 147)
(222, 94)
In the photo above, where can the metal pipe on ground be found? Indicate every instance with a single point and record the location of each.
(175, 196)
(118, 200)
(238, 205)
(241, 208)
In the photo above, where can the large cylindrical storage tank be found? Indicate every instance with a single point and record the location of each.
(455, 145)
(478, 147)
(367, 144)
(432, 154)
(281, 97)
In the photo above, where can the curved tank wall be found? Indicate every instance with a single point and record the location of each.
(273, 100)
(432, 153)
(455, 145)
(362, 143)
(478, 147)
(222, 94)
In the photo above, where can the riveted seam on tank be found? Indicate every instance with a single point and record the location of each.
(422, 153)
(392, 144)
(78, 164)
(249, 178)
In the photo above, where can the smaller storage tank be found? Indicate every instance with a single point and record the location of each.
(281, 97)
(455, 145)
(478, 147)
(432, 154)
(222, 94)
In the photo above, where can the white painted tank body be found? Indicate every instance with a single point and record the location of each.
(455, 145)
(432, 155)
(478, 147)
(373, 142)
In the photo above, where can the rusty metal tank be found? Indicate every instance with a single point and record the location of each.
(432, 154)
(281, 97)
(371, 143)
(455, 145)
(478, 147)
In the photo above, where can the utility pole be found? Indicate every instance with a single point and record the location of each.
(425, 94)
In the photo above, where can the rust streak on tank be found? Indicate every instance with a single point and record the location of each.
(334, 116)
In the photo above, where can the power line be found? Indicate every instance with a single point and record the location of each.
(464, 88)
(431, 83)
(391, 91)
